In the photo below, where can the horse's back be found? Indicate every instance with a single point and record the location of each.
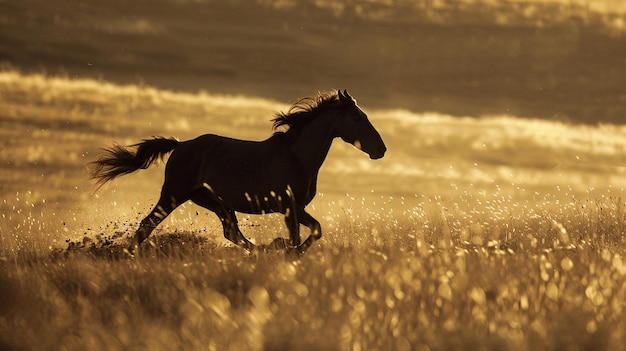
(221, 150)
(231, 166)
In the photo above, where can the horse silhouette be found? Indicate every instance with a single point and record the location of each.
(226, 175)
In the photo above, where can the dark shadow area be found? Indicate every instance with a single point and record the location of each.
(163, 245)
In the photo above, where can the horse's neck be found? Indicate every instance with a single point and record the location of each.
(313, 143)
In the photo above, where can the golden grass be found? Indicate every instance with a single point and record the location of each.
(544, 279)
(474, 238)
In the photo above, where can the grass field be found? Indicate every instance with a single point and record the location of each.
(479, 229)
(494, 233)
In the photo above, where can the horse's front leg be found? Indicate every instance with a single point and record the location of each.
(293, 224)
(313, 225)
(291, 219)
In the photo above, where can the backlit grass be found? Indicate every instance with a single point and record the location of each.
(493, 233)
(436, 278)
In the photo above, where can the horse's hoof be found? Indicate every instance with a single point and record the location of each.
(278, 244)
(249, 247)
(131, 248)
(130, 252)
(293, 252)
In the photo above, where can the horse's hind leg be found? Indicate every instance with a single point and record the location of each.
(206, 198)
(231, 229)
(163, 208)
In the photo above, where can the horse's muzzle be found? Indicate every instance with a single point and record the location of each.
(378, 153)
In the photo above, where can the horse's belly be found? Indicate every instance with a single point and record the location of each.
(251, 199)
(256, 193)
(245, 176)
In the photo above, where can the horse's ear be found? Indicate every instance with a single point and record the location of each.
(345, 97)
(345, 93)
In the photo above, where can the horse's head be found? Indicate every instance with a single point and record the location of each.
(354, 128)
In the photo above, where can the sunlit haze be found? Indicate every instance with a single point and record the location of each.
(495, 219)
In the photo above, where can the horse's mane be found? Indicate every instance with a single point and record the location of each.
(305, 110)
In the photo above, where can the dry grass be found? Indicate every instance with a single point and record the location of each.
(542, 279)
(515, 243)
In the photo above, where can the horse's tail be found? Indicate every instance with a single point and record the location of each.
(119, 160)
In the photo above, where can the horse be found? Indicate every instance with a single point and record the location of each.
(226, 175)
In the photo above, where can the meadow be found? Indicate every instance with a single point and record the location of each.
(492, 233)
(495, 221)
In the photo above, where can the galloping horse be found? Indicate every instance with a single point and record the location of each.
(226, 175)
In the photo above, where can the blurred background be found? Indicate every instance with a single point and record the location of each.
(549, 59)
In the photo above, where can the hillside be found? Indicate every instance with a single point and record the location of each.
(558, 60)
